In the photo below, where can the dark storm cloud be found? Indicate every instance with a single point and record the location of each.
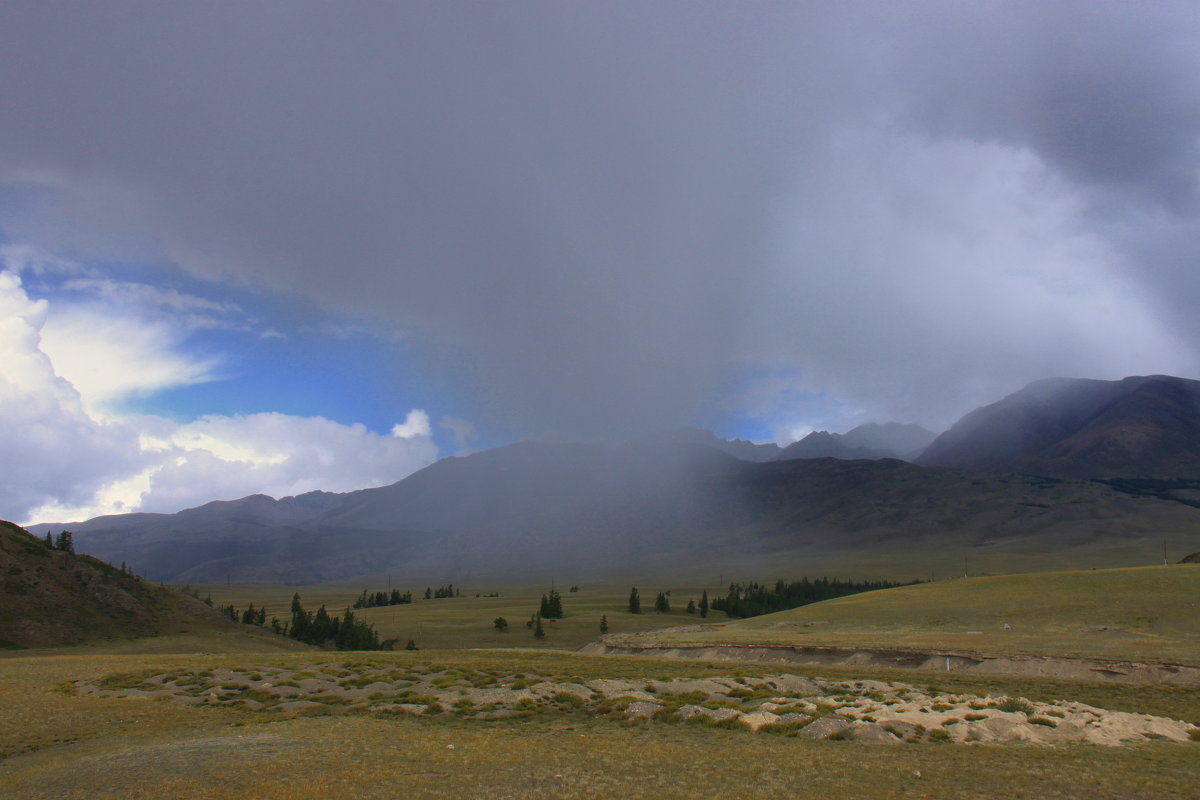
(595, 211)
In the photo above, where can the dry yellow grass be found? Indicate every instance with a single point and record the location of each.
(56, 745)
(1140, 613)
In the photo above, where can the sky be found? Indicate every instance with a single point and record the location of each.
(285, 246)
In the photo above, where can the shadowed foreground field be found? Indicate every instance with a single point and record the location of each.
(56, 744)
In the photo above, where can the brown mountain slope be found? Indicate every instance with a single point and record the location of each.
(1138, 427)
(49, 597)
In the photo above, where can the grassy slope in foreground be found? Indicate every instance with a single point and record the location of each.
(1142, 613)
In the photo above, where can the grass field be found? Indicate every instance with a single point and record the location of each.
(56, 744)
(466, 621)
(1150, 613)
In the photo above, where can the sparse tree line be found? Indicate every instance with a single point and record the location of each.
(753, 599)
(64, 542)
(377, 599)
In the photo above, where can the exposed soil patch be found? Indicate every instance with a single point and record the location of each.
(864, 710)
(940, 661)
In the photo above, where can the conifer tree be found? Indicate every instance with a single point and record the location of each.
(538, 631)
(691, 607)
(603, 623)
(635, 604)
(661, 604)
(704, 604)
(49, 541)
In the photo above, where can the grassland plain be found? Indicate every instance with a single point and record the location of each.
(55, 743)
(1140, 613)
(58, 745)
(467, 621)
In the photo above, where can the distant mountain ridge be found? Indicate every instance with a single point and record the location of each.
(1138, 427)
(871, 440)
(533, 509)
(1119, 460)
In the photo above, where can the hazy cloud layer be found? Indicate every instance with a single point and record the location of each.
(595, 213)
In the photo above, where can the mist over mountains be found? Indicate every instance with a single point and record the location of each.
(1139, 427)
(1019, 478)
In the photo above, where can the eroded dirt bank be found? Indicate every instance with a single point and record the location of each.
(931, 660)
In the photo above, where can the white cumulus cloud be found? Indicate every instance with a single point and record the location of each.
(60, 388)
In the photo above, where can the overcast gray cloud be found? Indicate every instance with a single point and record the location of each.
(594, 213)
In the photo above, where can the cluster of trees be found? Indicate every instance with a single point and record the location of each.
(346, 633)
(319, 628)
(551, 607)
(61, 542)
(662, 603)
(251, 616)
(376, 599)
(442, 591)
(753, 599)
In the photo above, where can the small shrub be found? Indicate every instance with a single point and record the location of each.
(1054, 712)
(975, 717)
(1015, 704)
(1049, 723)
(939, 735)
(568, 700)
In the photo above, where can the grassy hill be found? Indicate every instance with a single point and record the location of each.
(1150, 613)
(50, 597)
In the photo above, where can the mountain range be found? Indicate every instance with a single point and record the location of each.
(1013, 482)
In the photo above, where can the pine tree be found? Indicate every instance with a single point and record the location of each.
(704, 604)
(49, 541)
(428, 593)
(411, 645)
(64, 542)
(538, 631)
(551, 606)
(635, 604)
(661, 604)
(691, 607)
(604, 623)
